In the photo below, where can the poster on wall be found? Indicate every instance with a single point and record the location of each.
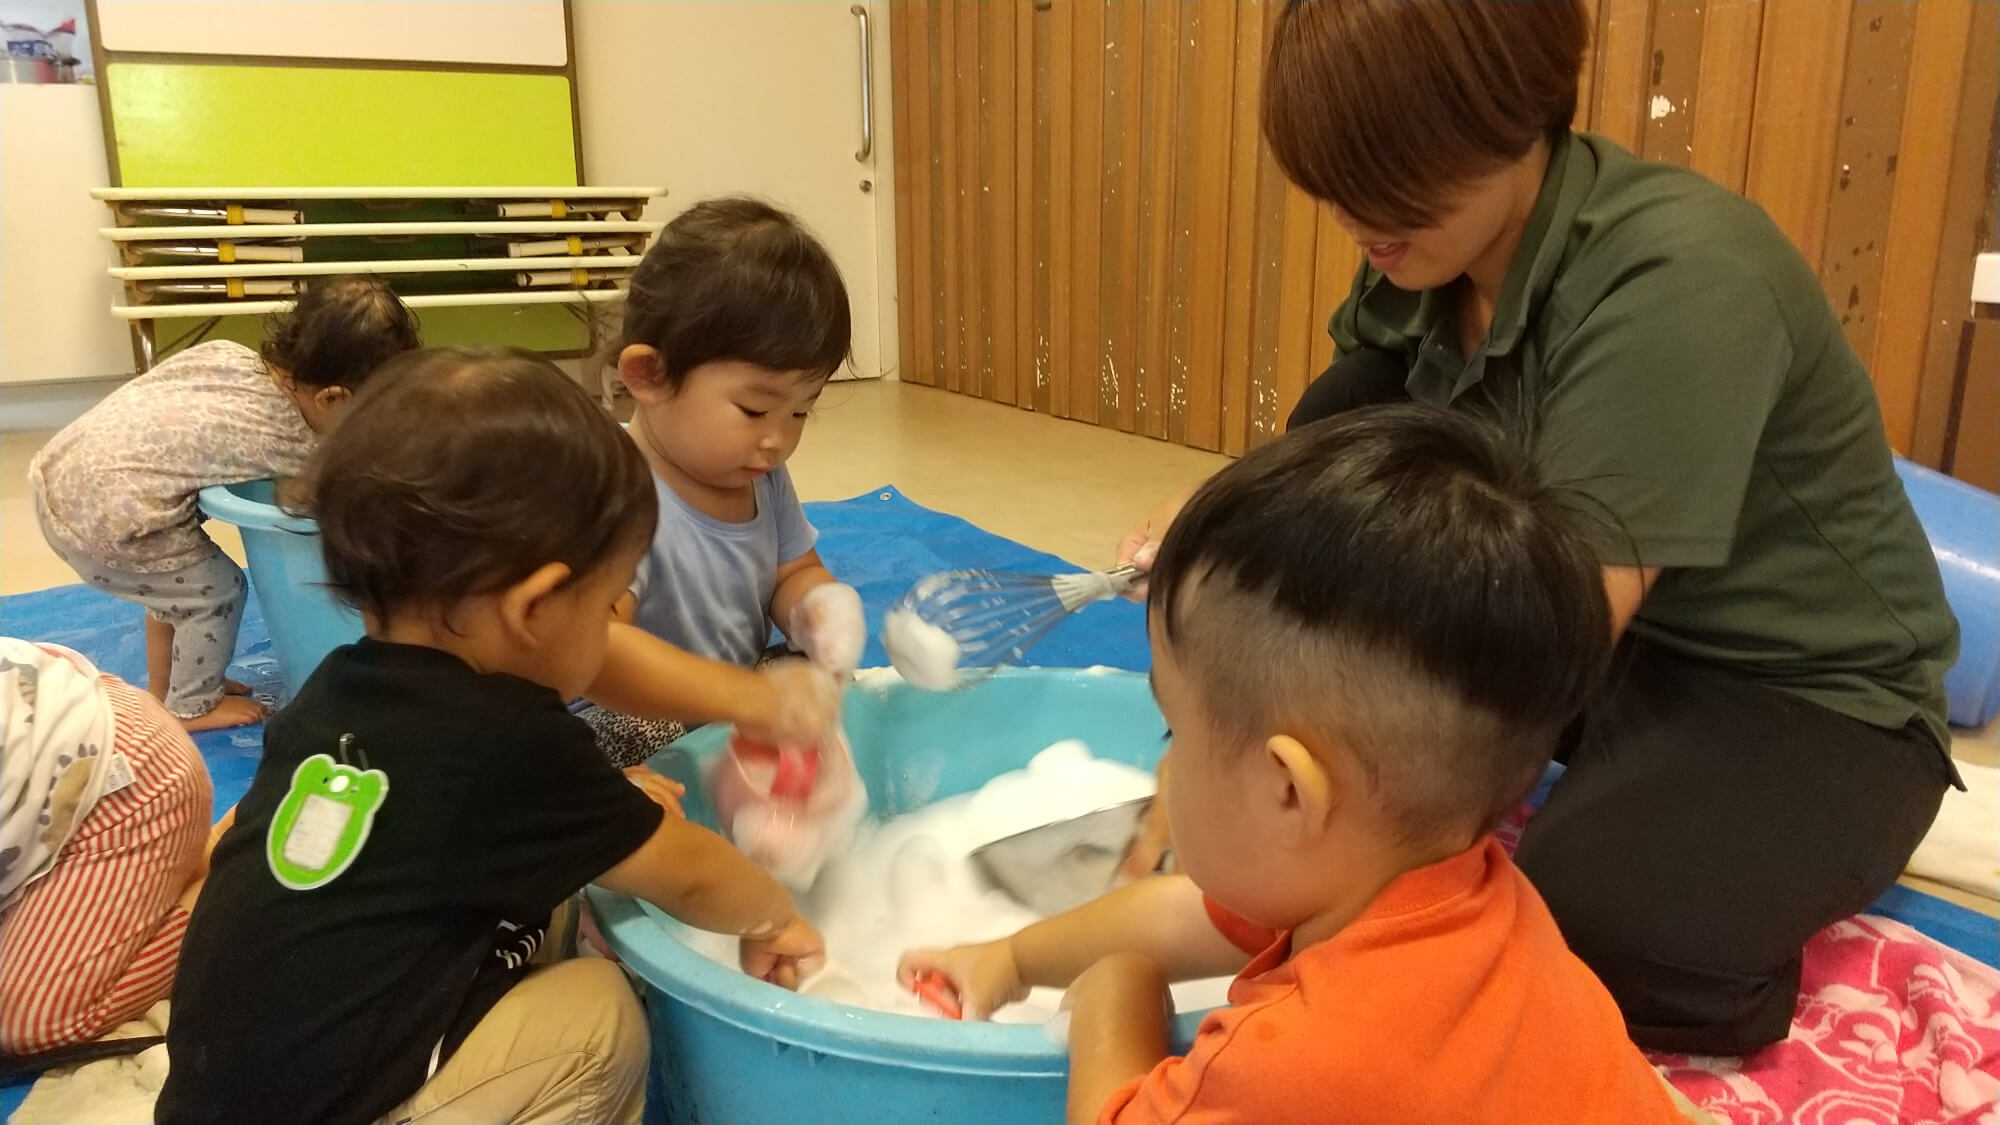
(47, 41)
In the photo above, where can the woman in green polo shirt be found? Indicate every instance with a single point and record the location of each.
(1772, 744)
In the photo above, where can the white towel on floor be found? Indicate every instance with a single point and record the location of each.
(118, 1091)
(1962, 849)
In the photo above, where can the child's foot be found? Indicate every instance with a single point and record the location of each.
(230, 711)
(235, 687)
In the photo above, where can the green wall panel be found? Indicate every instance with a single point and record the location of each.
(181, 125)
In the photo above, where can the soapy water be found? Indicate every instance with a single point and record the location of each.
(923, 653)
(909, 883)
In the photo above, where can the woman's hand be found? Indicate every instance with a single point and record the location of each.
(787, 957)
(985, 976)
(1142, 543)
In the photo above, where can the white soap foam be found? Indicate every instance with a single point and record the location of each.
(924, 653)
(909, 883)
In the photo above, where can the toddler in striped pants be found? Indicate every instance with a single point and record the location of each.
(104, 824)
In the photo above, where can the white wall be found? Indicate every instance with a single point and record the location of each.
(55, 298)
(521, 32)
(711, 97)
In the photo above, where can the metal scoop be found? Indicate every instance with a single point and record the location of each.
(1061, 866)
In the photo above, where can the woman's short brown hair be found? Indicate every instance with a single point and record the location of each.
(459, 472)
(1385, 108)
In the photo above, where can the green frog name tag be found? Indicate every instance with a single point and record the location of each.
(323, 822)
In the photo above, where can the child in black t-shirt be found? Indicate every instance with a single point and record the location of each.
(366, 943)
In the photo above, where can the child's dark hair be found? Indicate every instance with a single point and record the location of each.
(738, 279)
(460, 472)
(341, 330)
(1386, 107)
(1399, 579)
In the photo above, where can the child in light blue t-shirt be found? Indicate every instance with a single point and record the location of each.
(735, 320)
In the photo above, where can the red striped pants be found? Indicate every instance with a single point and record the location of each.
(94, 942)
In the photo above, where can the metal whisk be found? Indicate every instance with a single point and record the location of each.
(994, 619)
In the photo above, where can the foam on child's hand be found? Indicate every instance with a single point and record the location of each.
(923, 653)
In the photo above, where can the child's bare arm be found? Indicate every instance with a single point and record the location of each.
(796, 579)
(1117, 1031)
(696, 876)
(821, 616)
(648, 677)
(1163, 919)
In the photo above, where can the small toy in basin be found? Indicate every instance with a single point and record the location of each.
(788, 807)
(936, 991)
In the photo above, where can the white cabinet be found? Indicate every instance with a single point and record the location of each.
(716, 97)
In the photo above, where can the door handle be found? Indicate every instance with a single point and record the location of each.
(867, 86)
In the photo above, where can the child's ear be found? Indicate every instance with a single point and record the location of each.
(331, 399)
(643, 370)
(517, 603)
(1303, 791)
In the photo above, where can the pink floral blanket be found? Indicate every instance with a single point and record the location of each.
(1892, 1026)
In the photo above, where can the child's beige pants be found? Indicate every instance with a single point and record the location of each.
(566, 1045)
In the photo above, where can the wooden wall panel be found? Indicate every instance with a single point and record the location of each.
(1124, 71)
(1727, 89)
(1673, 81)
(1917, 213)
(1871, 119)
(1798, 94)
(1211, 221)
(1086, 335)
(1274, 235)
(1246, 158)
(914, 317)
(974, 365)
(1097, 230)
(1586, 83)
(1971, 219)
(944, 93)
(1623, 61)
(1048, 64)
(999, 275)
(1031, 227)
(1159, 106)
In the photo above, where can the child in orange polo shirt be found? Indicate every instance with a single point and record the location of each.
(1366, 637)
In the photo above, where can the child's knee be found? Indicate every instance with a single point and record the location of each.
(620, 1024)
(612, 1032)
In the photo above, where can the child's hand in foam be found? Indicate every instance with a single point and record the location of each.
(828, 626)
(984, 975)
(787, 957)
(802, 703)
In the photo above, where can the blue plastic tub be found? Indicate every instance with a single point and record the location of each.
(305, 621)
(730, 1049)
(1963, 524)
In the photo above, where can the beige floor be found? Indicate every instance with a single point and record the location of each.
(1062, 487)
